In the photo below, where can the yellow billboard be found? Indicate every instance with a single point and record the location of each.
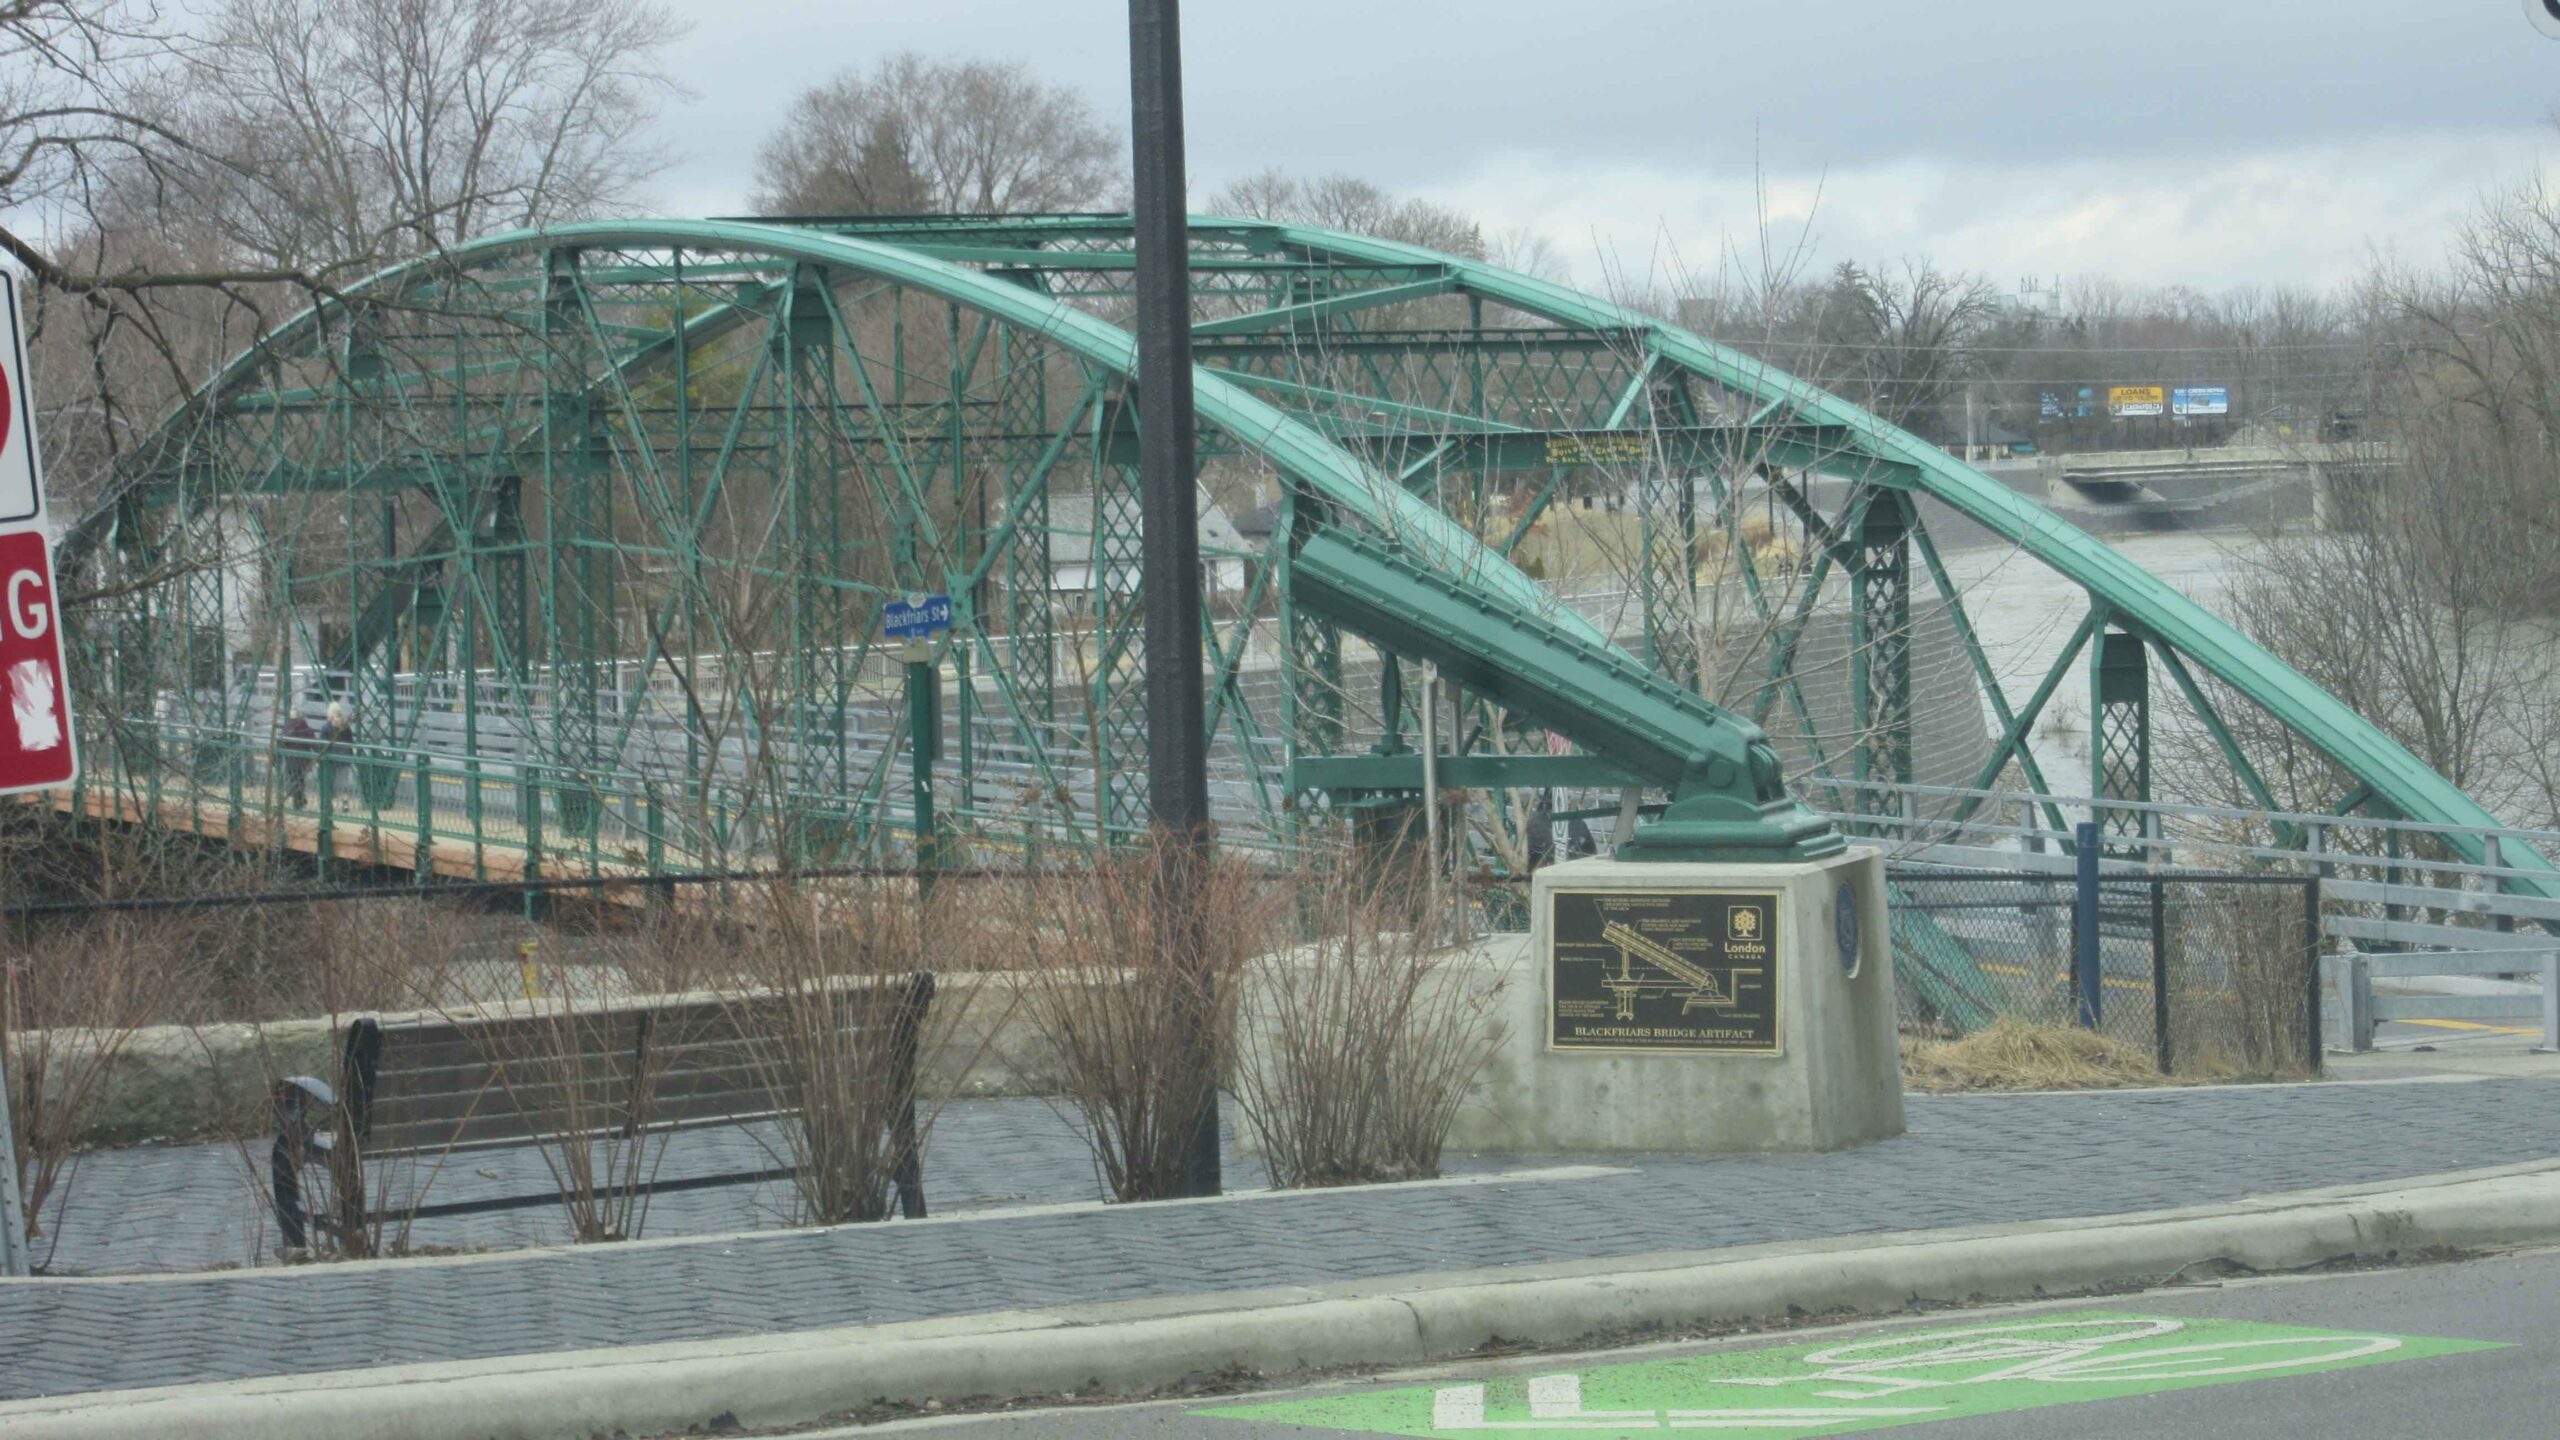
(2127, 401)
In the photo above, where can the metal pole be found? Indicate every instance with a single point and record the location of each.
(924, 746)
(2084, 936)
(2551, 1001)
(1169, 556)
(13, 1213)
(2357, 986)
(2160, 975)
(2312, 946)
(1431, 766)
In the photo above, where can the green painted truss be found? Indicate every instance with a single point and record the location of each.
(591, 528)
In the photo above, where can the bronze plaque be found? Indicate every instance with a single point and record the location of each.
(1692, 970)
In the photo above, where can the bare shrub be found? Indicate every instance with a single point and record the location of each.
(1124, 1017)
(362, 957)
(2238, 991)
(584, 1073)
(1358, 1046)
(826, 1019)
(593, 1061)
(71, 1002)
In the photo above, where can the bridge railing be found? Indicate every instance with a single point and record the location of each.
(418, 805)
(2393, 893)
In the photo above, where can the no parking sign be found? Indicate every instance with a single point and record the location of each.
(36, 746)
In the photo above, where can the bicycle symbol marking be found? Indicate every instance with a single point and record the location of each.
(1859, 1374)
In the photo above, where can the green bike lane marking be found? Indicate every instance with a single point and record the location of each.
(1839, 1386)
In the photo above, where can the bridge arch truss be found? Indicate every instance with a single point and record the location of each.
(591, 528)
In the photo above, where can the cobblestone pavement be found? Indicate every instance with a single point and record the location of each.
(160, 1208)
(1967, 1160)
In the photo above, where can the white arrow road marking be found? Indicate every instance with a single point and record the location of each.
(1555, 1399)
(1559, 1397)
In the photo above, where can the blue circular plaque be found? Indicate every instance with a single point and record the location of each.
(1844, 925)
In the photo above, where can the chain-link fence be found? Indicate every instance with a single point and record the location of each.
(2211, 973)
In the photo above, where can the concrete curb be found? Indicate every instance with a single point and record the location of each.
(1135, 1346)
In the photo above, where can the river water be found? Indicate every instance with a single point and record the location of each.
(2025, 614)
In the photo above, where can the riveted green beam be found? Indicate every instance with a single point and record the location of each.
(2287, 833)
(1671, 449)
(1022, 258)
(1348, 302)
(1423, 422)
(2355, 743)
(1369, 773)
(1418, 343)
(2013, 738)
(1728, 795)
(1989, 681)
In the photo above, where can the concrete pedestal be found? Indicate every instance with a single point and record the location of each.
(1834, 1080)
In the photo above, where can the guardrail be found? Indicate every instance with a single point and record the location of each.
(2351, 977)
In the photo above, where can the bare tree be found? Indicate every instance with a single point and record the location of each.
(960, 136)
(372, 127)
(175, 184)
(1905, 340)
(2425, 600)
(1347, 202)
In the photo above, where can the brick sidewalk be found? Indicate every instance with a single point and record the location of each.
(1972, 1160)
(157, 1209)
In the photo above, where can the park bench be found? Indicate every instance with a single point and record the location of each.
(429, 1088)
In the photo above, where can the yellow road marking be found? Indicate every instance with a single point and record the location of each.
(2471, 1025)
(2112, 982)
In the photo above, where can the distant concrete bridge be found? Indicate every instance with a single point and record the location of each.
(2199, 483)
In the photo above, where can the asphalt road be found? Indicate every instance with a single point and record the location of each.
(2256, 1382)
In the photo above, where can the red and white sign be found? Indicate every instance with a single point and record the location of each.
(36, 747)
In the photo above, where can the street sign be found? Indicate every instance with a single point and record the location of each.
(21, 491)
(36, 746)
(917, 617)
(35, 733)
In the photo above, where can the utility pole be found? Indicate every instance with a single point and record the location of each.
(1169, 555)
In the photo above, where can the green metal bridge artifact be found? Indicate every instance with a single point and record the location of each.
(591, 528)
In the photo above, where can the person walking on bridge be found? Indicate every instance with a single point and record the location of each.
(304, 746)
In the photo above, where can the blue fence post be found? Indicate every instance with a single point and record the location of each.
(2084, 927)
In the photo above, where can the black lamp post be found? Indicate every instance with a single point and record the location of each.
(1169, 563)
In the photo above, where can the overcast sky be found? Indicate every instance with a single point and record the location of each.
(2209, 144)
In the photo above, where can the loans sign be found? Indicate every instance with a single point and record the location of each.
(36, 747)
(1842, 1385)
(2129, 402)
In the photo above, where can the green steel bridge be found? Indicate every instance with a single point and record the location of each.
(591, 528)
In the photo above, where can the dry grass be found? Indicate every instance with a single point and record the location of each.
(2014, 1054)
